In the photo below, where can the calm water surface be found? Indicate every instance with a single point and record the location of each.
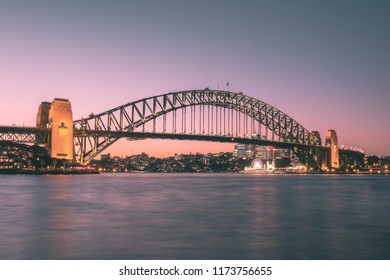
(184, 216)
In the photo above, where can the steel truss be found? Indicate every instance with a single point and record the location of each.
(213, 112)
(23, 134)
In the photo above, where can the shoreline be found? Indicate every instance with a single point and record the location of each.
(88, 171)
(47, 172)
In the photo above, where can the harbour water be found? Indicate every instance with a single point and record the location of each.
(194, 216)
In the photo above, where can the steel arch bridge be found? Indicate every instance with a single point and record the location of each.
(207, 115)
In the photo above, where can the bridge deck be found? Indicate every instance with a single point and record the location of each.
(155, 135)
(182, 136)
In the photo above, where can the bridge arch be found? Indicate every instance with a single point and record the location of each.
(95, 133)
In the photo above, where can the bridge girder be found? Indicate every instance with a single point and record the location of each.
(134, 115)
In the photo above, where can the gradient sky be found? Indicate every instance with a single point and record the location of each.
(324, 63)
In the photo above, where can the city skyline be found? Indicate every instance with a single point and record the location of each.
(326, 65)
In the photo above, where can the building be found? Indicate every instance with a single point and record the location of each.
(244, 151)
(7, 160)
(261, 152)
(105, 157)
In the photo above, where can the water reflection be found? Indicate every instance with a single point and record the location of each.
(60, 223)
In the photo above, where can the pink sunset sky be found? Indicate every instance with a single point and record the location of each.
(326, 65)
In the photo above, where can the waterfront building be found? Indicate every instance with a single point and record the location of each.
(7, 160)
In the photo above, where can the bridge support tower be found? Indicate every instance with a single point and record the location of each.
(58, 117)
(331, 143)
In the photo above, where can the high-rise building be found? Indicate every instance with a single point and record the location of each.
(244, 151)
(332, 142)
(264, 153)
(61, 123)
(261, 152)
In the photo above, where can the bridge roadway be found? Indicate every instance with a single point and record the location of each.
(29, 134)
(22, 129)
(136, 135)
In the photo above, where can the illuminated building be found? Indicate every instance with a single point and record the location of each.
(332, 143)
(7, 161)
(244, 151)
(261, 152)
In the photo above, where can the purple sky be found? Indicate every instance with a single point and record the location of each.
(325, 64)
